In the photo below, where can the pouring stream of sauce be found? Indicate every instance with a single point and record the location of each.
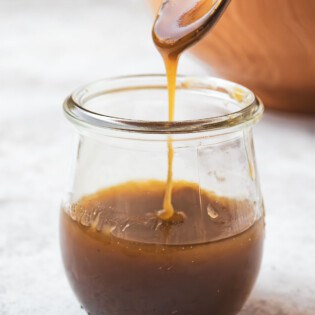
(179, 25)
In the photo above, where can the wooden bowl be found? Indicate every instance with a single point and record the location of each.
(268, 46)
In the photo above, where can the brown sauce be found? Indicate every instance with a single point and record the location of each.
(121, 259)
(179, 25)
(200, 254)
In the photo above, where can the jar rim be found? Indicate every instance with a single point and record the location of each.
(250, 112)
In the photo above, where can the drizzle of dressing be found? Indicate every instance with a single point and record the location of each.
(179, 25)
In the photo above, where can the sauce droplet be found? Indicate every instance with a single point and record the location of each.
(211, 212)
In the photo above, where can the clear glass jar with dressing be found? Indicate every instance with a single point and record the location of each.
(119, 256)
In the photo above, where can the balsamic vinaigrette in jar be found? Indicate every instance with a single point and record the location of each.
(122, 260)
(143, 248)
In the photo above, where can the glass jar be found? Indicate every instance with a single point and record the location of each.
(119, 255)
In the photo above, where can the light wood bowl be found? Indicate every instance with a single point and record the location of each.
(268, 46)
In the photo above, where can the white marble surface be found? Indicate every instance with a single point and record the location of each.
(47, 49)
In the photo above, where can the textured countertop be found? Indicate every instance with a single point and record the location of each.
(47, 49)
